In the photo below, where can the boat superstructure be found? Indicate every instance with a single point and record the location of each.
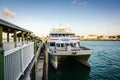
(62, 42)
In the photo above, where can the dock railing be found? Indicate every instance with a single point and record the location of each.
(10, 45)
(39, 45)
(16, 61)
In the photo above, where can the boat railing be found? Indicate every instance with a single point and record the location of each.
(16, 61)
(75, 49)
(65, 49)
(84, 48)
(68, 49)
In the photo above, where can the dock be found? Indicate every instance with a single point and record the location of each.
(23, 58)
(39, 70)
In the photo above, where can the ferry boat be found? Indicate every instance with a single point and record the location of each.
(64, 43)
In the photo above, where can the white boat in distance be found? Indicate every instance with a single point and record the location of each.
(63, 43)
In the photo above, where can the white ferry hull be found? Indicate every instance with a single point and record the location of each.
(63, 43)
(80, 56)
(83, 59)
(54, 61)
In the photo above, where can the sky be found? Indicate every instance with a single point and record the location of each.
(84, 17)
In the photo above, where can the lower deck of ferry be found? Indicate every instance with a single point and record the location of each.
(57, 60)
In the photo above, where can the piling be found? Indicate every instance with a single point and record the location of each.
(45, 71)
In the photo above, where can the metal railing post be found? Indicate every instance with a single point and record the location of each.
(33, 73)
(22, 59)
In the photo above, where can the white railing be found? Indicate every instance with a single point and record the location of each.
(39, 49)
(10, 45)
(16, 61)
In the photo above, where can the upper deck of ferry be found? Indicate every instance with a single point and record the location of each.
(61, 32)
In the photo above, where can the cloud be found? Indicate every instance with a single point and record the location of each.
(83, 4)
(7, 13)
(116, 24)
(80, 3)
(74, 1)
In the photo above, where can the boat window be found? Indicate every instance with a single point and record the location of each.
(51, 35)
(72, 35)
(74, 44)
(52, 44)
(60, 35)
(77, 45)
(67, 44)
(67, 35)
(58, 45)
(63, 35)
(62, 44)
(71, 44)
(55, 35)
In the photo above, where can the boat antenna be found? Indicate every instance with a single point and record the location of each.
(108, 30)
(60, 24)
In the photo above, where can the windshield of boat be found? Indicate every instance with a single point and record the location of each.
(63, 35)
(67, 44)
(52, 44)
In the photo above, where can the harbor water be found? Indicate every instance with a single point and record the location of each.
(104, 63)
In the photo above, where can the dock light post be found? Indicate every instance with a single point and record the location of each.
(27, 37)
(8, 39)
(22, 37)
(15, 37)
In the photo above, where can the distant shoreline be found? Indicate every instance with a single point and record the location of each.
(99, 40)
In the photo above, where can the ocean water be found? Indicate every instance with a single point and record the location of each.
(104, 64)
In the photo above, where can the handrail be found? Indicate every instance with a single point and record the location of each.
(16, 61)
(39, 49)
(11, 45)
